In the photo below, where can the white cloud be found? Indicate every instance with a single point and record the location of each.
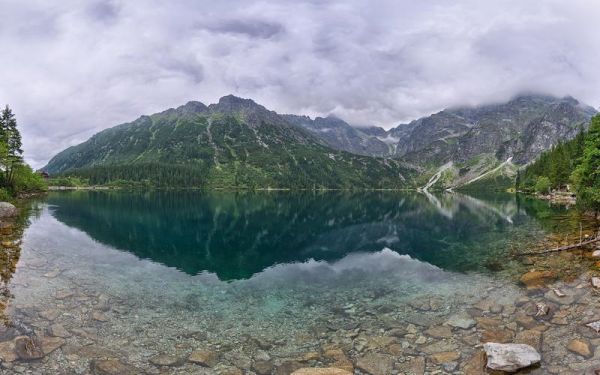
(71, 68)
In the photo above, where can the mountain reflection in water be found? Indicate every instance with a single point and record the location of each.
(236, 235)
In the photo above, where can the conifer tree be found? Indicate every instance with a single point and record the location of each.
(588, 191)
(10, 144)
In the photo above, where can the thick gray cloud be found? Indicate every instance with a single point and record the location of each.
(70, 68)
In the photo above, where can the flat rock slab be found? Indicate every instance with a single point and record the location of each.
(376, 364)
(206, 358)
(414, 366)
(510, 357)
(462, 321)
(445, 357)
(321, 371)
(57, 330)
(439, 332)
(50, 344)
(28, 349)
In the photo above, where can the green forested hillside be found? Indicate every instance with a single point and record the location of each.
(574, 164)
(235, 143)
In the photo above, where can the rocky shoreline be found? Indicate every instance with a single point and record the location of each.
(427, 337)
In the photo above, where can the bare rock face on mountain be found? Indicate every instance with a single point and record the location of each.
(469, 145)
(339, 135)
(521, 128)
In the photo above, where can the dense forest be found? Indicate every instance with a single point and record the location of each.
(570, 166)
(16, 177)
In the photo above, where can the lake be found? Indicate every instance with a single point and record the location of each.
(268, 282)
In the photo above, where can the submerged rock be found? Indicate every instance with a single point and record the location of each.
(50, 344)
(534, 279)
(376, 364)
(28, 349)
(262, 367)
(445, 357)
(321, 371)
(439, 332)
(57, 330)
(462, 321)
(510, 357)
(7, 352)
(595, 326)
(476, 364)
(581, 347)
(414, 366)
(204, 358)
(7, 210)
(100, 317)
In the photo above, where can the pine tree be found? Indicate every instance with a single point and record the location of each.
(10, 141)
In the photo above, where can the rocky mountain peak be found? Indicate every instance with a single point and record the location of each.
(231, 103)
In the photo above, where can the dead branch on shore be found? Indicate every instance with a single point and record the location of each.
(567, 247)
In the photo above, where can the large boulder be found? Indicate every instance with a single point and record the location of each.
(7, 210)
(510, 357)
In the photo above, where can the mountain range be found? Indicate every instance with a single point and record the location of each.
(237, 142)
(233, 143)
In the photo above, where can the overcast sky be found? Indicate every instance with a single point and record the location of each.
(69, 68)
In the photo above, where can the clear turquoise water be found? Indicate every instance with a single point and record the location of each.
(295, 269)
(237, 235)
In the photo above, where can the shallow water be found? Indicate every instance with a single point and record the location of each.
(262, 279)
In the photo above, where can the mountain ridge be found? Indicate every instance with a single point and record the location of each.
(233, 143)
(469, 138)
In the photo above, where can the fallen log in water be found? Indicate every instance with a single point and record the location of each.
(563, 248)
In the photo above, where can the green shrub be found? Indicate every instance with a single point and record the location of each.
(5, 195)
(542, 185)
(26, 180)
